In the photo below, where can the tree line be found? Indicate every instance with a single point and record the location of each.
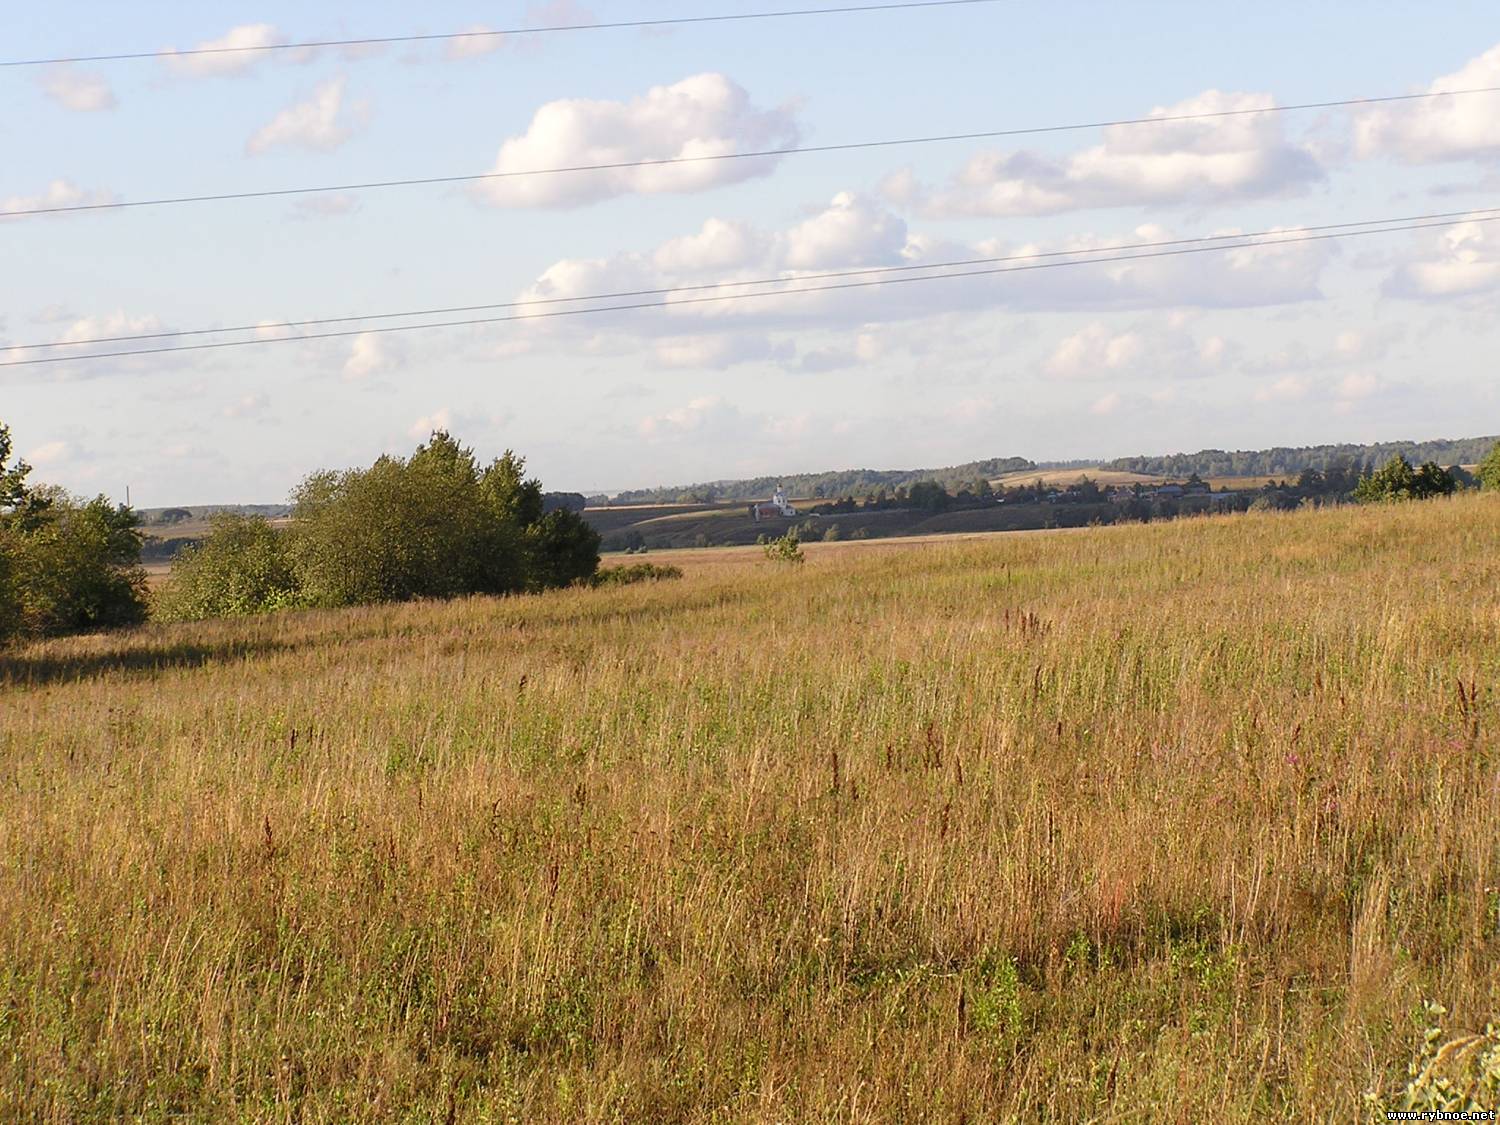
(831, 485)
(436, 524)
(1286, 461)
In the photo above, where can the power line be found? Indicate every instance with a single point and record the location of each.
(473, 322)
(449, 310)
(991, 134)
(454, 36)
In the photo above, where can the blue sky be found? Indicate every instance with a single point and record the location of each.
(1382, 337)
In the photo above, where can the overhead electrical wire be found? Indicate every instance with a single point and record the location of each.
(1105, 255)
(450, 310)
(488, 33)
(792, 150)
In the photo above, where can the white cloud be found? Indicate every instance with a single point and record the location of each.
(851, 231)
(720, 350)
(59, 193)
(702, 116)
(236, 55)
(370, 354)
(1164, 350)
(709, 412)
(484, 40)
(854, 231)
(82, 92)
(49, 454)
(319, 123)
(424, 427)
(1459, 261)
(1107, 405)
(1358, 384)
(1439, 129)
(719, 245)
(1289, 388)
(1241, 157)
(248, 406)
(118, 323)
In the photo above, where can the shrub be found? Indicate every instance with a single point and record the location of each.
(1397, 480)
(787, 549)
(242, 567)
(630, 575)
(75, 566)
(1489, 470)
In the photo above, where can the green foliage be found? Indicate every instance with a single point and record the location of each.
(787, 549)
(1461, 1074)
(74, 566)
(434, 525)
(431, 525)
(851, 482)
(243, 567)
(1397, 480)
(630, 575)
(1284, 461)
(1489, 469)
(12, 477)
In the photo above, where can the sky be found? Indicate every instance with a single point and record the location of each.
(1373, 338)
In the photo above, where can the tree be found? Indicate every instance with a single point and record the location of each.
(427, 526)
(1489, 470)
(76, 566)
(1397, 480)
(787, 549)
(12, 477)
(243, 567)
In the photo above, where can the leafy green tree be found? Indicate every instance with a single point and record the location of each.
(12, 476)
(403, 528)
(1397, 480)
(243, 567)
(787, 549)
(76, 566)
(1489, 470)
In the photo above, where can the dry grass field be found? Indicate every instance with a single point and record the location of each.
(1168, 822)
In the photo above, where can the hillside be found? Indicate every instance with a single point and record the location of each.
(1180, 821)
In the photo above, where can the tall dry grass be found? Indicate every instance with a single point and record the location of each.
(1127, 824)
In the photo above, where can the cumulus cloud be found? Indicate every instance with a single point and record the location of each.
(425, 426)
(320, 123)
(1099, 352)
(853, 231)
(1439, 129)
(235, 51)
(371, 354)
(80, 91)
(1460, 261)
(712, 420)
(59, 193)
(49, 453)
(703, 116)
(247, 406)
(1241, 157)
(721, 350)
(483, 40)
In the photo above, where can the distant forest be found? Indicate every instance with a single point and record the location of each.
(862, 483)
(1284, 461)
(849, 482)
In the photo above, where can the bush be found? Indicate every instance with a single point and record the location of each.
(1489, 470)
(75, 566)
(1397, 480)
(630, 575)
(787, 549)
(241, 568)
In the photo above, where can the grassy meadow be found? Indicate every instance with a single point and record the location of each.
(1137, 823)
